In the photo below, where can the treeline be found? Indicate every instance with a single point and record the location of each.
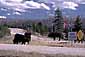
(40, 28)
(32, 25)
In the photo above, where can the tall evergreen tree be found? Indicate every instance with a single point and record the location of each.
(77, 24)
(34, 27)
(39, 28)
(58, 22)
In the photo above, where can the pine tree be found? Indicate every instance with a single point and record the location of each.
(78, 24)
(39, 28)
(58, 23)
(34, 27)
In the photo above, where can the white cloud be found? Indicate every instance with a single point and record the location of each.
(19, 5)
(71, 4)
(32, 4)
(45, 6)
(2, 16)
(19, 9)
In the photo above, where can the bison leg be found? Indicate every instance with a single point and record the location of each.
(23, 42)
(15, 42)
(54, 38)
(28, 41)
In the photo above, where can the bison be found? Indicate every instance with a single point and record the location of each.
(18, 38)
(55, 34)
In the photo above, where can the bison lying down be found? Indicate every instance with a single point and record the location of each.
(18, 38)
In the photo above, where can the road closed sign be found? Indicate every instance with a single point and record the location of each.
(72, 36)
(80, 35)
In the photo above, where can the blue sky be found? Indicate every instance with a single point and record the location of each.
(39, 9)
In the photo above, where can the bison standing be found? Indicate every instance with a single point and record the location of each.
(55, 34)
(18, 38)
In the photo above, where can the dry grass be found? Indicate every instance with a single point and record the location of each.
(8, 40)
(46, 43)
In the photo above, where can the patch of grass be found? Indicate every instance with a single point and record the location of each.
(4, 31)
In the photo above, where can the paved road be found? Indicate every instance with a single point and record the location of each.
(44, 49)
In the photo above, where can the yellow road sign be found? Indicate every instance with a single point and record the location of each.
(80, 35)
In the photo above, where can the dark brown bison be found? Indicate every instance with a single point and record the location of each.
(55, 34)
(18, 38)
